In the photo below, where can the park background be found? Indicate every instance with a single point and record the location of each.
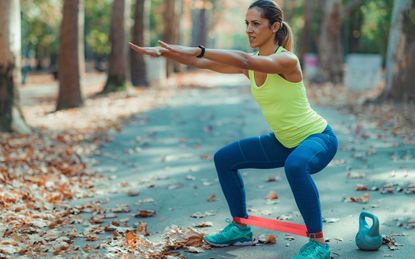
(69, 84)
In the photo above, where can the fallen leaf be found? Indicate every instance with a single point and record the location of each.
(355, 175)
(145, 214)
(387, 188)
(211, 197)
(203, 224)
(330, 220)
(360, 199)
(289, 237)
(96, 220)
(273, 179)
(267, 239)
(197, 215)
(390, 242)
(272, 196)
(177, 238)
(361, 187)
(132, 193)
(141, 227)
(130, 239)
(122, 208)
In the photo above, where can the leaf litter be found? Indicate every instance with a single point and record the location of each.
(43, 172)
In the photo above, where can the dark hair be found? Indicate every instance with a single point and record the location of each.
(273, 13)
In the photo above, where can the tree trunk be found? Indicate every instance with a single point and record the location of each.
(170, 29)
(203, 25)
(400, 62)
(117, 71)
(139, 37)
(200, 23)
(186, 23)
(11, 117)
(306, 32)
(330, 49)
(71, 55)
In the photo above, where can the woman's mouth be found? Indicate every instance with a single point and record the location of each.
(251, 38)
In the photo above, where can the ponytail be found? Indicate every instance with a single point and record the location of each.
(284, 36)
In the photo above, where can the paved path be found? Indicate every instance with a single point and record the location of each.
(165, 154)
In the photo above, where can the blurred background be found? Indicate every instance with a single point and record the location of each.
(351, 26)
(363, 45)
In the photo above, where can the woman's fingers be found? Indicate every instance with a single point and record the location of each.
(136, 48)
(151, 51)
(167, 46)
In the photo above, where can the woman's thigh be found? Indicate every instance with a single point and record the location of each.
(262, 152)
(315, 152)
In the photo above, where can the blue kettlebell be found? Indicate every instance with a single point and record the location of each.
(368, 239)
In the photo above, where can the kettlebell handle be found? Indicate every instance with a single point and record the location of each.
(375, 222)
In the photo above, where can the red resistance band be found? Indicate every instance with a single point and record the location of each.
(278, 225)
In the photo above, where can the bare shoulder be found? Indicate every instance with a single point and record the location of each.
(287, 58)
(288, 55)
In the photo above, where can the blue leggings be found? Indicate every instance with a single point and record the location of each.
(264, 152)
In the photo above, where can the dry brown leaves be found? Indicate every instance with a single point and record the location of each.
(267, 239)
(145, 213)
(272, 196)
(41, 173)
(211, 198)
(390, 242)
(174, 238)
(359, 199)
(395, 118)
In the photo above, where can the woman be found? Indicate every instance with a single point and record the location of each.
(301, 140)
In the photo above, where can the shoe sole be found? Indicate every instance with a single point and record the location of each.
(247, 243)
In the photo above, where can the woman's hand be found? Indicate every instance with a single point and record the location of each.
(179, 49)
(151, 51)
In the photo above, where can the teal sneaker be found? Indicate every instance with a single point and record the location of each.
(314, 250)
(232, 234)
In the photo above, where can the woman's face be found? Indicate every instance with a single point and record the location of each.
(257, 28)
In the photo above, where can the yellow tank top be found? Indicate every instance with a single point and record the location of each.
(286, 109)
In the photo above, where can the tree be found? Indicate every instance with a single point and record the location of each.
(200, 21)
(97, 28)
(71, 55)
(170, 28)
(400, 63)
(306, 32)
(330, 48)
(11, 117)
(117, 71)
(139, 37)
(40, 30)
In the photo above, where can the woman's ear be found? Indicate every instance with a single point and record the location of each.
(276, 26)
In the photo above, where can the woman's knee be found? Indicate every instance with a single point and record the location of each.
(295, 167)
(220, 157)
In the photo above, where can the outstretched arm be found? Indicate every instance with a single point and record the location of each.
(280, 63)
(187, 60)
(203, 63)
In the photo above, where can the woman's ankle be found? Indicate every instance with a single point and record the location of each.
(239, 224)
(319, 240)
(317, 236)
